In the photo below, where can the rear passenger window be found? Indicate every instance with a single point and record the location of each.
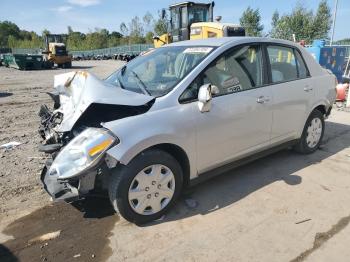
(302, 70)
(283, 63)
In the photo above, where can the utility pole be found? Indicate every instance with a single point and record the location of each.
(334, 18)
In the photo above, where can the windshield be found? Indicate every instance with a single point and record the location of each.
(198, 14)
(157, 72)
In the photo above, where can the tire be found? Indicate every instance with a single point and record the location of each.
(306, 145)
(124, 178)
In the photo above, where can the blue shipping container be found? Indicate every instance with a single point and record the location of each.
(332, 58)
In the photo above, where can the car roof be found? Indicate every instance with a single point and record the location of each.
(216, 42)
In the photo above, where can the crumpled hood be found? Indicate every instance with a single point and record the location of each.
(78, 90)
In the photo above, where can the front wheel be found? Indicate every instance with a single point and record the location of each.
(147, 187)
(312, 135)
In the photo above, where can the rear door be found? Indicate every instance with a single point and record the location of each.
(291, 89)
(240, 117)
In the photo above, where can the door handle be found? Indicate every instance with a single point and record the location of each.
(307, 88)
(262, 99)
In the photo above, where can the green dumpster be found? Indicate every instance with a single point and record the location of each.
(23, 62)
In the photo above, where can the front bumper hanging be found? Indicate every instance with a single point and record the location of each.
(57, 189)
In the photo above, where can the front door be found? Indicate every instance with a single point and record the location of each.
(240, 117)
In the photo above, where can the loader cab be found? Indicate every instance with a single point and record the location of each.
(55, 44)
(183, 15)
(58, 49)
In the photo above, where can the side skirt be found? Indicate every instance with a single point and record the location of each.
(240, 162)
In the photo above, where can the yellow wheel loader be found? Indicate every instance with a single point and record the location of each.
(56, 52)
(190, 20)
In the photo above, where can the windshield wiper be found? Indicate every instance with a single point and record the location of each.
(143, 87)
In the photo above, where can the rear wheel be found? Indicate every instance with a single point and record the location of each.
(68, 65)
(312, 134)
(147, 187)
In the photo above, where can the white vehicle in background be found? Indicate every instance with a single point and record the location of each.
(178, 114)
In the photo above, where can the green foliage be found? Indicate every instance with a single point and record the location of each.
(137, 31)
(251, 21)
(100, 38)
(75, 40)
(161, 25)
(8, 29)
(275, 18)
(303, 23)
(12, 36)
(149, 38)
(322, 21)
(45, 32)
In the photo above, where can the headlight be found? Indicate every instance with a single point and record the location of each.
(82, 152)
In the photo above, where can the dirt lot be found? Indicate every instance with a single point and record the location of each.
(285, 207)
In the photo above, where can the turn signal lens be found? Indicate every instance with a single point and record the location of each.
(100, 147)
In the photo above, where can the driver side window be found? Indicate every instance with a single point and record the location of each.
(236, 70)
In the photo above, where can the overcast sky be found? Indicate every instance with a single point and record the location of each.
(85, 15)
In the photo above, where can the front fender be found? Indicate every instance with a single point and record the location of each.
(167, 126)
(125, 152)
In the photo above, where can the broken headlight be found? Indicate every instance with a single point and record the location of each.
(82, 152)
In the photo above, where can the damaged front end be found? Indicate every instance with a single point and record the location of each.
(52, 140)
(74, 169)
(73, 135)
(82, 100)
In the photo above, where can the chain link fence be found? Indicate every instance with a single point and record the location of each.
(119, 50)
(125, 50)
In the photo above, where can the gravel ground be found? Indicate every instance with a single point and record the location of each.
(21, 94)
(284, 207)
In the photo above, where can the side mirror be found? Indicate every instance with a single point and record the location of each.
(204, 98)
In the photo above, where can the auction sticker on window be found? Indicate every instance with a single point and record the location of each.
(192, 50)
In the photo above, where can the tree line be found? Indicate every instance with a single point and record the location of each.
(302, 22)
(137, 31)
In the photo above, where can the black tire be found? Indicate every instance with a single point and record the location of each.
(302, 146)
(122, 177)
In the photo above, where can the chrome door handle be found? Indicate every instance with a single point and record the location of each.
(262, 99)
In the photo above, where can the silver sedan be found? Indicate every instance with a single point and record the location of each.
(179, 114)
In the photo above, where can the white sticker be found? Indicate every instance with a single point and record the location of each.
(234, 89)
(192, 50)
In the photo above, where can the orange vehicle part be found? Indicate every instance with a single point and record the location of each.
(342, 90)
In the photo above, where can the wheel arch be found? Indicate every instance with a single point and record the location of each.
(175, 150)
(321, 108)
(180, 155)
